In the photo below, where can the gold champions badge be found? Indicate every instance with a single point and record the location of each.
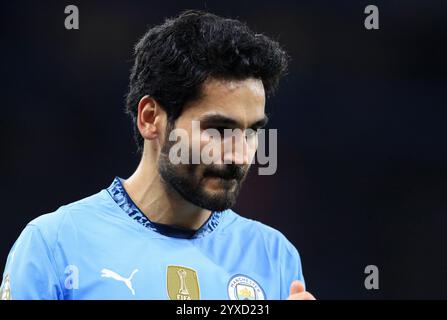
(182, 283)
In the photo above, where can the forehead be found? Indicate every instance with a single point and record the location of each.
(241, 100)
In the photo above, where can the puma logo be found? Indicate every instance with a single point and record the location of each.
(106, 273)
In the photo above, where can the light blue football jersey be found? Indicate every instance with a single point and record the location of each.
(104, 247)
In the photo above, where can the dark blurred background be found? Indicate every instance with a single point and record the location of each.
(361, 119)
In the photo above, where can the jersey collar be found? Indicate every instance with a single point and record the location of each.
(123, 200)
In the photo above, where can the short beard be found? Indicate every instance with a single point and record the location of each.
(184, 179)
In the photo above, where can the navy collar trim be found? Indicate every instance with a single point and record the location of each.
(123, 200)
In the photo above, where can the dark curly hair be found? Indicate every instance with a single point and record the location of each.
(172, 60)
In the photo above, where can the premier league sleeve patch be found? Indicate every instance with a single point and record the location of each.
(5, 289)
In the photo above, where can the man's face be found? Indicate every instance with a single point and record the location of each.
(235, 105)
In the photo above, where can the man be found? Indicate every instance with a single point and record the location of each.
(167, 232)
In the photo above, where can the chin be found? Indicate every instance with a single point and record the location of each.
(213, 193)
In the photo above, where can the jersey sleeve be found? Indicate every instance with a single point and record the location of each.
(30, 272)
(291, 269)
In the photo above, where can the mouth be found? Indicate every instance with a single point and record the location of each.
(218, 182)
(219, 177)
(223, 176)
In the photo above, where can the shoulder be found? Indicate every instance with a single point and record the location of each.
(50, 225)
(274, 239)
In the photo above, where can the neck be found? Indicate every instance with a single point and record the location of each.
(160, 203)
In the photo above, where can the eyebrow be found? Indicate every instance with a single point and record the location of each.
(218, 119)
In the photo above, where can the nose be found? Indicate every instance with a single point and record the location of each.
(236, 149)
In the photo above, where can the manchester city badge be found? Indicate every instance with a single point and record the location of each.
(241, 287)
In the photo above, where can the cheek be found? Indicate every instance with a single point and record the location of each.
(211, 147)
(188, 172)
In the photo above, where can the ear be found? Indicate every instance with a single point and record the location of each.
(150, 118)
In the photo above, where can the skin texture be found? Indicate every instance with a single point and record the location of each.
(297, 292)
(241, 101)
(184, 195)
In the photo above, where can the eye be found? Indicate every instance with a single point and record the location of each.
(221, 130)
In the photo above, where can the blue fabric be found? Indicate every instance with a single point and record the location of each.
(103, 247)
